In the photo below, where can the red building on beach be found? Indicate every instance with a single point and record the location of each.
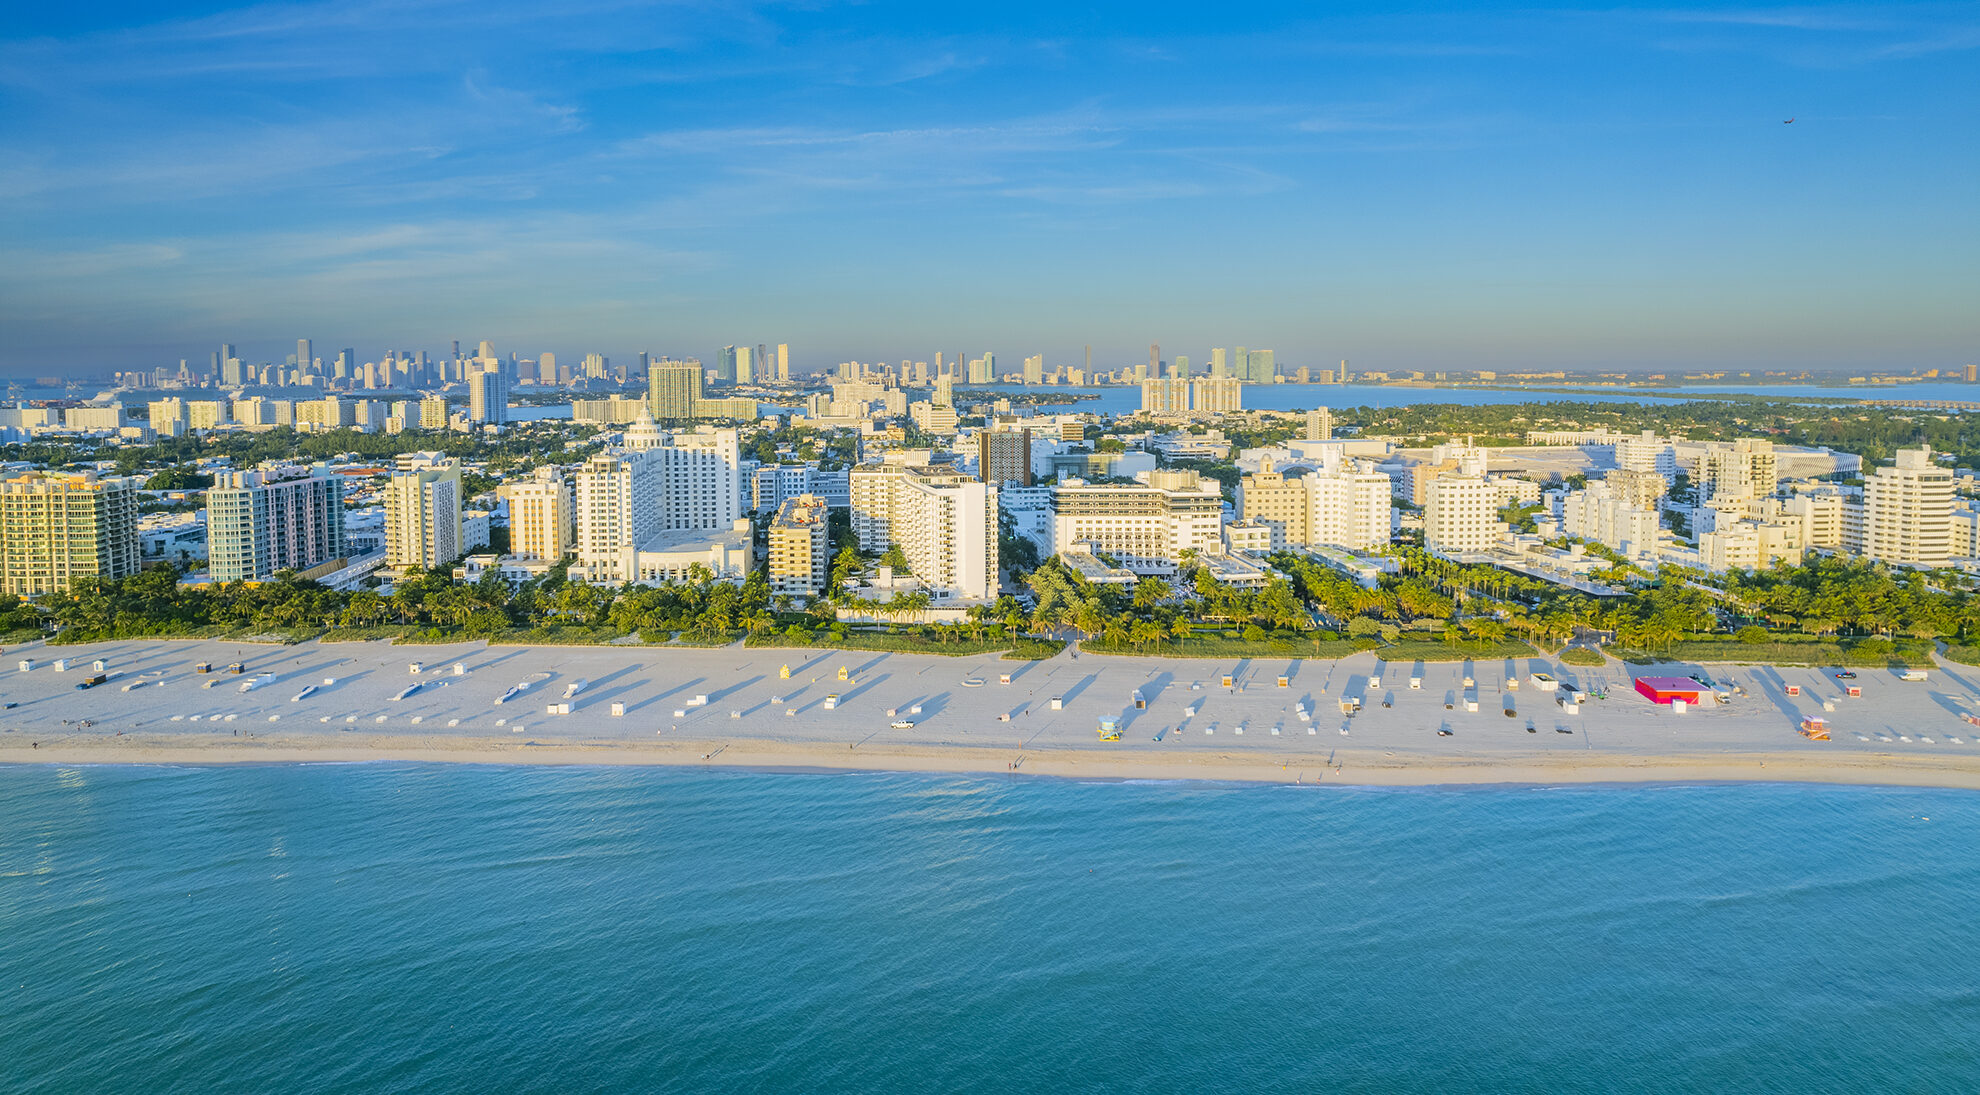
(1666, 689)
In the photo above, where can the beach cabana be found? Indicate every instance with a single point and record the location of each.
(1666, 689)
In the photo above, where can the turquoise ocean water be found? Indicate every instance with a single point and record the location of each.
(402, 928)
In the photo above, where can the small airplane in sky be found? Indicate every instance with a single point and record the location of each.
(1790, 121)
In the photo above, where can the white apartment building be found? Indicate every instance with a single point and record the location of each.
(1146, 526)
(933, 417)
(542, 511)
(1599, 514)
(944, 522)
(423, 516)
(1824, 519)
(1646, 452)
(84, 419)
(1965, 534)
(1460, 515)
(1748, 545)
(1907, 511)
(1348, 506)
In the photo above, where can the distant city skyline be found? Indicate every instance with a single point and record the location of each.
(1456, 189)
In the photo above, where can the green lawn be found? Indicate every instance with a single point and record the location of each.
(73, 636)
(706, 638)
(1202, 645)
(1425, 650)
(1581, 655)
(1964, 655)
(1734, 652)
(369, 634)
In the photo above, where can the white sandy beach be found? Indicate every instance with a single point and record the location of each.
(157, 709)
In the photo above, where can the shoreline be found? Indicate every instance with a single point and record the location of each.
(1352, 767)
(1353, 720)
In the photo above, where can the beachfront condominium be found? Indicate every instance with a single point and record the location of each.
(1146, 525)
(1460, 515)
(276, 518)
(57, 527)
(1907, 511)
(646, 507)
(1342, 504)
(541, 512)
(800, 547)
(673, 388)
(944, 522)
(1319, 424)
(423, 516)
(1003, 455)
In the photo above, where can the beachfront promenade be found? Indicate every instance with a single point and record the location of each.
(354, 701)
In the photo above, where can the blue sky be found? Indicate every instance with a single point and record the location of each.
(1408, 186)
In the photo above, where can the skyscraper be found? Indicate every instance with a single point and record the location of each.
(1219, 363)
(1004, 456)
(1154, 359)
(674, 387)
(1180, 367)
(745, 365)
(1214, 395)
(1165, 395)
(1034, 369)
(783, 361)
(488, 396)
(305, 355)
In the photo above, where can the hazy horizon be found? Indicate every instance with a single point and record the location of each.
(1434, 189)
